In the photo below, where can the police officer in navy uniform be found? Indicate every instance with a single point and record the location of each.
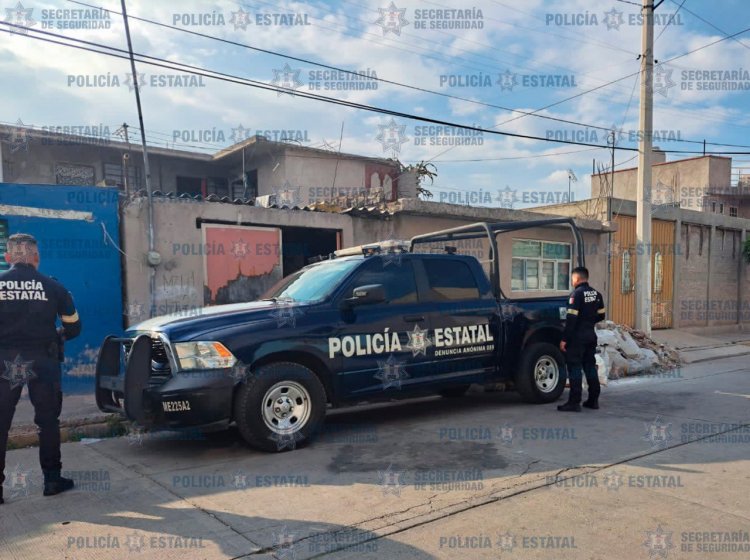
(30, 352)
(585, 309)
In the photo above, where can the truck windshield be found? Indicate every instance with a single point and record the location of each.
(312, 283)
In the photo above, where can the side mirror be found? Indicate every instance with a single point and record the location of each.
(363, 295)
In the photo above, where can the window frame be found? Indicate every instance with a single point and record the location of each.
(541, 259)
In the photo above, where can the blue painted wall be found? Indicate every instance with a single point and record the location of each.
(77, 253)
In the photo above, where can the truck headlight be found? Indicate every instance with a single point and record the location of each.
(204, 355)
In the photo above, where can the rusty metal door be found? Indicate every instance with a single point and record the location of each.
(623, 254)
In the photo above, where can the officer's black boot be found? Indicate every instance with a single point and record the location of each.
(575, 376)
(1, 495)
(569, 407)
(592, 378)
(54, 483)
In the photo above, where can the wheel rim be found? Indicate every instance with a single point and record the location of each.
(546, 374)
(286, 407)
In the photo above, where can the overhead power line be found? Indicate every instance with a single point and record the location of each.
(230, 78)
(393, 82)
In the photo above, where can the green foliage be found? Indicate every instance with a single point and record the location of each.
(423, 170)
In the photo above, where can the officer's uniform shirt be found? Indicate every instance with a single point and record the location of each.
(30, 304)
(585, 309)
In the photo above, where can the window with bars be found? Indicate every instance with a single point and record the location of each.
(627, 273)
(113, 174)
(540, 265)
(658, 273)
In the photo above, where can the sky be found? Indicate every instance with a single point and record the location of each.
(476, 64)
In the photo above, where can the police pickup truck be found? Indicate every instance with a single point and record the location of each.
(381, 324)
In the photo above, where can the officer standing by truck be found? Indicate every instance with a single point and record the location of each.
(585, 309)
(30, 350)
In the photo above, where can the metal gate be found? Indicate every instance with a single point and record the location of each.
(77, 230)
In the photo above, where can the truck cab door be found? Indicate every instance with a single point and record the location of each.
(381, 347)
(464, 321)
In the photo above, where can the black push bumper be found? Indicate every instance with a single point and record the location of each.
(127, 384)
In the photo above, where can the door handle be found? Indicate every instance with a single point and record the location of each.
(414, 318)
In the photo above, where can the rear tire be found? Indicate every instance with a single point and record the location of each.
(541, 374)
(281, 407)
(454, 392)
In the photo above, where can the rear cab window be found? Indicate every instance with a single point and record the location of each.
(450, 280)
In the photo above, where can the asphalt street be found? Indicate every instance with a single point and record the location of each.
(660, 471)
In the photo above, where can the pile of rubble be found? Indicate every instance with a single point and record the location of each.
(623, 351)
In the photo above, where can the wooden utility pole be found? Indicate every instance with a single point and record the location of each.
(643, 195)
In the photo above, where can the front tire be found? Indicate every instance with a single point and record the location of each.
(281, 407)
(541, 376)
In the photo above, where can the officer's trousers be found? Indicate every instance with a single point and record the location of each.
(581, 359)
(47, 400)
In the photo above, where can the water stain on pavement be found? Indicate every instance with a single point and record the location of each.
(451, 455)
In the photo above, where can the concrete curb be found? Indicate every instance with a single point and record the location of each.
(105, 425)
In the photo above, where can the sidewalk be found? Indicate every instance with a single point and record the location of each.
(80, 417)
(695, 348)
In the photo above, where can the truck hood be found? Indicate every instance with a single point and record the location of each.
(191, 324)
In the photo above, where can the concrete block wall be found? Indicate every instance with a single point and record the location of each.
(711, 283)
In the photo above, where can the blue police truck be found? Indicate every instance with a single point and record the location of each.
(389, 322)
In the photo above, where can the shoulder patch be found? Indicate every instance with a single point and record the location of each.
(572, 300)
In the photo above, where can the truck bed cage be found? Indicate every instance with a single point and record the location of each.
(491, 230)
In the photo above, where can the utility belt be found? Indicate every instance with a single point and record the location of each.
(54, 349)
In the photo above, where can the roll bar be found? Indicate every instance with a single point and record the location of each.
(490, 230)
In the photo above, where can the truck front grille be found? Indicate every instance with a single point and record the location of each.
(161, 370)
